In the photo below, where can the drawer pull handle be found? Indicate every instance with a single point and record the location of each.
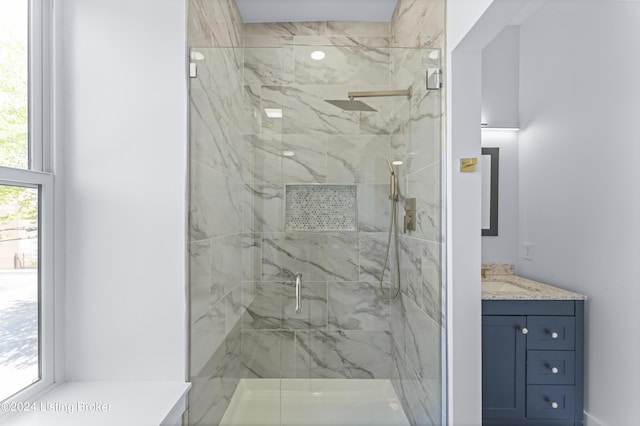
(554, 370)
(554, 404)
(524, 330)
(554, 335)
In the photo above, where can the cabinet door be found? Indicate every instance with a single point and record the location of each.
(503, 367)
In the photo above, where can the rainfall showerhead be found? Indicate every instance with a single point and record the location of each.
(351, 105)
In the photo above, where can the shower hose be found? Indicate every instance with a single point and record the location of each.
(393, 228)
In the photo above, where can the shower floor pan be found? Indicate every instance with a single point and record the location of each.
(314, 402)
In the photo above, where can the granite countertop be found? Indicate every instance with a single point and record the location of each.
(513, 287)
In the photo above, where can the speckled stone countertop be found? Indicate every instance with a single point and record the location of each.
(500, 284)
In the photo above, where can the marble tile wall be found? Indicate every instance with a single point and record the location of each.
(219, 122)
(418, 23)
(418, 323)
(243, 261)
(345, 329)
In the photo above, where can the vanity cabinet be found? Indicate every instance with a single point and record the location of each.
(532, 362)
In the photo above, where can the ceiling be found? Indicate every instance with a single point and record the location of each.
(316, 10)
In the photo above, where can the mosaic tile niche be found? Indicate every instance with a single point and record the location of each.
(321, 208)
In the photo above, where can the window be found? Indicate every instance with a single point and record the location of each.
(26, 203)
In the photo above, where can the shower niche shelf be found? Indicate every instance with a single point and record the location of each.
(321, 208)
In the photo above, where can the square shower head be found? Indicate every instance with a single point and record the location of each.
(349, 105)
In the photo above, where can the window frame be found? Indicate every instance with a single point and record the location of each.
(38, 175)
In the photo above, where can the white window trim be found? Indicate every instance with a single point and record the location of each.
(39, 176)
(43, 181)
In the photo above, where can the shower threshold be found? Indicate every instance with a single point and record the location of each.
(314, 402)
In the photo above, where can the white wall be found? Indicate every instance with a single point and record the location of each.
(579, 182)
(464, 392)
(500, 81)
(124, 134)
(471, 25)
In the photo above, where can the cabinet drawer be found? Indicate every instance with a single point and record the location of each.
(552, 333)
(550, 402)
(551, 367)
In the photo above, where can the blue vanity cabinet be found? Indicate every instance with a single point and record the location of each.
(532, 362)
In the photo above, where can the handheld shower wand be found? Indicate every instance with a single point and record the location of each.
(393, 230)
(392, 182)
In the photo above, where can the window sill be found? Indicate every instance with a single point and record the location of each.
(107, 403)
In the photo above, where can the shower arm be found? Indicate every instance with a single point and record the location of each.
(379, 93)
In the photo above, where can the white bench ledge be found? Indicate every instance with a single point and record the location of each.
(107, 403)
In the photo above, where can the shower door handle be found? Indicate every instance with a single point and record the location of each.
(298, 292)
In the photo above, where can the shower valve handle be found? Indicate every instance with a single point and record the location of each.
(298, 292)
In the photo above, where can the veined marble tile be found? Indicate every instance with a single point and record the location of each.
(390, 111)
(263, 66)
(263, 155)
(251, 257)
(213, 388)
(345, 354)
(357, 28)
(306, 112)
(408, 22)
(260, 353)
(267, 41)
(366, 41)
(272, 97)
(287, 354)
(253, 97)
(214, 23)
(425, 139)
(313, 306)
(423, 343)
(411, 267)
(432, 280)
(284, 29)
(343, 65)
(219, 114)
(373, 246)
(273, 252)
(399, 322)
(209, 399)
(419, 406)
(433, 30)
(374, 208)
(359, 306)
(407, 67)
(398, 372)
(226, 265)
(357, 159)
(199, 277)
(425, 186)
(263, 208)
(265, 308)
(306, 159)
(323, 256)
(233, 308)
(207, 334)
(215, 204)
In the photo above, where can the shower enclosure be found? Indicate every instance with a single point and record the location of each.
(284, 183)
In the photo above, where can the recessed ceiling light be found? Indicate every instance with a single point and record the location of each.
(288, 153)
(317, 55)
(434, 54)
(273, 112)
(197, 56)
(397, 162)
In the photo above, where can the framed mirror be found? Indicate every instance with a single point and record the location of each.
(490, 163)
